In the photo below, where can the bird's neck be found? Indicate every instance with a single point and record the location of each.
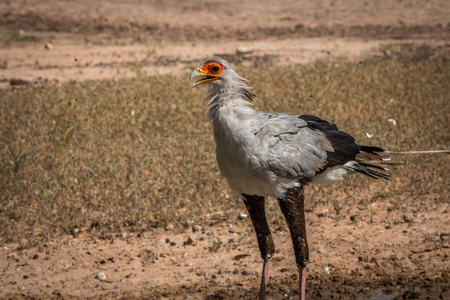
(232, 97)
(231, 115)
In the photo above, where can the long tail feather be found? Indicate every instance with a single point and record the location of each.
(369, 159)
(418, 152)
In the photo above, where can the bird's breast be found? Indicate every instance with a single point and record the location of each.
(245, 173)
(238, 161)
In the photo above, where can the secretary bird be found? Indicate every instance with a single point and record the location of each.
(277, 154)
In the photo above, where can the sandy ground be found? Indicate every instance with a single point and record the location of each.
(375, 253)
(55, 41)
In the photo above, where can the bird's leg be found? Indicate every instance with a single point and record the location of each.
(255, 207)
(292, 205)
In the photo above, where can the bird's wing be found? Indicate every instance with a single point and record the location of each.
(344, 147)
(303, 146)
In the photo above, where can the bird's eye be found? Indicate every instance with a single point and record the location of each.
(215, 68)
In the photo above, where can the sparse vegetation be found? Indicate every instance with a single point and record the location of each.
(18, 37)
(215, 245)
(107, 156)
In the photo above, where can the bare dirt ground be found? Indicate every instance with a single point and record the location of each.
(368, 256)
(380, 252)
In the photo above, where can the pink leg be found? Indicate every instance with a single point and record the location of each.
(264, 279)
(302, 279)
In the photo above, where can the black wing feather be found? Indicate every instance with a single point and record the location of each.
(345, 148)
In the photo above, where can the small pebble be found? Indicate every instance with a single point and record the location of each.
(407, 218)
(188, 242)
(196, 228)
(172, 243)
(323, 213)
(242, 216)
(101, 276)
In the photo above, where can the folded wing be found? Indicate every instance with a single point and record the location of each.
(305, 146)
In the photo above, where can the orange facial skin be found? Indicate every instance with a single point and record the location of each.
(209, 72)
(212, 69)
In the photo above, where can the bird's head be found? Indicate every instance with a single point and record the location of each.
(222, 80)
(216, 71)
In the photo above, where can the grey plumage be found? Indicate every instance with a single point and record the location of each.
(267, 153)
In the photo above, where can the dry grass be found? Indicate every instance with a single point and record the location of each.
(75, 156)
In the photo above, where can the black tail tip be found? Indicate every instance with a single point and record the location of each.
(370, 149)
(371, 170)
